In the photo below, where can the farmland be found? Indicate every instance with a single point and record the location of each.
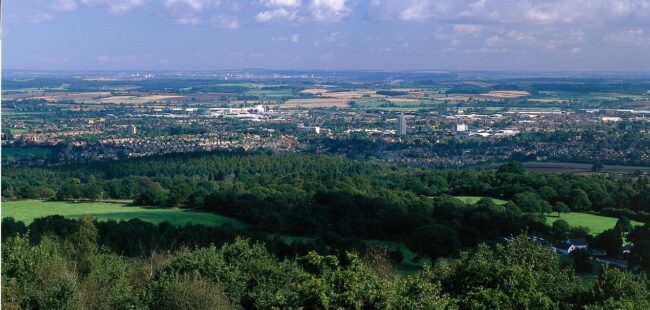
(28, 210)
(596, 223)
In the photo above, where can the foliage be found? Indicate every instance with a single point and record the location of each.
(244, 275)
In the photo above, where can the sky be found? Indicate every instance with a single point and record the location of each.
(547, 35)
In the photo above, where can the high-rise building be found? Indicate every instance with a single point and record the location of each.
(401, 125)
(131, 130)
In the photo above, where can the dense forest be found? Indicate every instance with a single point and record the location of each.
(341, 205)
(342, 202)
(70, 271)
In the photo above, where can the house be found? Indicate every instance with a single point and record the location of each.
(565, 248)
(578, 243)
(627, 248)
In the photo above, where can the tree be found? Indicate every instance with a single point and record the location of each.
(190, 292)
(547, 193)
(433, 241)
(83, 244)
(512, 167)
(617, 289)
(517, 275)
(624, 225)
(640, 253)
(597, 167)
(609, 241)
(152, 194)
(580, 200)
(581, 262)
(531, 202)
(92, 191)
(561, 207)
(580, 231)
(561, 229)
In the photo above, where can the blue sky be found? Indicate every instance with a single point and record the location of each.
(595, 35)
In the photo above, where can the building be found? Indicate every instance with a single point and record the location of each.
(310, 129)
(569, 245)
(131, 130)
(401, 125)
(564, 248)
(461, 127)
(579, 243)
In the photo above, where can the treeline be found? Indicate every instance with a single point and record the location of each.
(72, 272)
(299, 176)
(136, 238)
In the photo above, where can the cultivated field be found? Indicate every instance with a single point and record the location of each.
(506, 94)
(28, 210)
(596, 223)
(315, 103)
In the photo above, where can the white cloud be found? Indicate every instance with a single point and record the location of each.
(41, 17)
(280, 3)
(628, 37)
(294, 10)
(334, 37)
(280, 13)
(512, 11)
(226, 22)
(551, 45)
(294, 38)
(188, 21)
(520, 36)
(114, 6)
(329, 10)
(493, 41)
(64, 5)
(194, 5)
(468, 28)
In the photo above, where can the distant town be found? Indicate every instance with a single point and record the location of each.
(450, 122)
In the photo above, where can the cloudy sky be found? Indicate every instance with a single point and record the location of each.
(592, 35)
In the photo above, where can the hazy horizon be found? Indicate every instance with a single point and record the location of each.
(374, 35)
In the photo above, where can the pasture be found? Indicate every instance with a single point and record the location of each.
(596, 223)
(28, 210)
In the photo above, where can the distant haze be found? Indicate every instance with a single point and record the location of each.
(549, 35)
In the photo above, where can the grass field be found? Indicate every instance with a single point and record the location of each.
(28, 210)
(596, 223)
(475, 199)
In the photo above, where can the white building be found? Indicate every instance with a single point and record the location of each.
(401, 125)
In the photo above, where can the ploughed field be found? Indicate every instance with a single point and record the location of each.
(28, 210)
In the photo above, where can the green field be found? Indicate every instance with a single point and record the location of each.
(474, 199)
(596, 223)
(28, 210)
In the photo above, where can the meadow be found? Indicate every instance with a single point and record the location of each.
(28, 210)
(596, 223)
